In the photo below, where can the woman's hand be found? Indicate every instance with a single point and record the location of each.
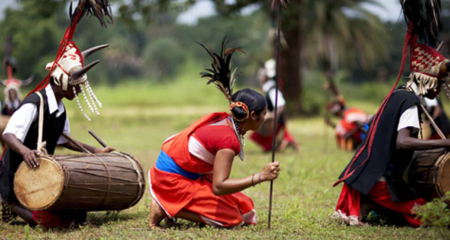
(30, 157)
(270, 172)
(104, 150)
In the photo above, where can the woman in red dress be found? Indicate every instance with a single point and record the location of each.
(190, 179)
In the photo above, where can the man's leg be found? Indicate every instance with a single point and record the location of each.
(380, 195)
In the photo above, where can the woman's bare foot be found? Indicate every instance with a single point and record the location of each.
(157, 214)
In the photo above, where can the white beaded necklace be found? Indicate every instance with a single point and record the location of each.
(240, 138)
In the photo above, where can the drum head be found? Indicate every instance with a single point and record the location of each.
(39, 188)
(444, 175)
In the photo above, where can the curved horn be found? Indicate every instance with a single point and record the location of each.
(3, 83)
(92, 50)
(78, 73)
(27, 81)
(440, 46)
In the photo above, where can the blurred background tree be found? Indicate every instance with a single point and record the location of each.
(148, 43)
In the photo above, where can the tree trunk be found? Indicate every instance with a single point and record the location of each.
(291, 61)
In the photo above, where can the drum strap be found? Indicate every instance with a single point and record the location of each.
(41, 145)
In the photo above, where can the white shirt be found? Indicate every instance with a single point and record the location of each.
(410, 118)
(21, 120)
(269, 88)
(430, 102)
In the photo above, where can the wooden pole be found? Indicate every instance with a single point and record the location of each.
(97, 138)
(75, 142)
(276, 106)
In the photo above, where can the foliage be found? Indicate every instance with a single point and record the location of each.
(343, 33)
(435, 213)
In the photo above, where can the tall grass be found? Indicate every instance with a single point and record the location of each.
(137, 117)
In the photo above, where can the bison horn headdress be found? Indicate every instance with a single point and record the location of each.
(11, 83)
(68, 70)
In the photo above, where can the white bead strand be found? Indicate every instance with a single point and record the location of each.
(91, 92)
(79, 104)
(86, 99)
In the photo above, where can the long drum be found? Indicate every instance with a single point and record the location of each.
(429, 173)
(91, 182)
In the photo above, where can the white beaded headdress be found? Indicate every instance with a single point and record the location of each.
(70, 72)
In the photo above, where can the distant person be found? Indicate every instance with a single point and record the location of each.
(263, 137)
(13, 97)
(349, 130)
(191, 178)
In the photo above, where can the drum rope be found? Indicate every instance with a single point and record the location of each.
(109, 179)
(135, 166)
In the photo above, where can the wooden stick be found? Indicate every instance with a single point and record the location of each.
(97, 138)
(438, 130)
(275, 120)
(75, 142)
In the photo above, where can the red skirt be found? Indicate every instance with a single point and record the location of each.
(348, 204)
(265, 142)
(174, 192)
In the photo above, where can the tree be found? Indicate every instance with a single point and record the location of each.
(317, 25)
(344, 33)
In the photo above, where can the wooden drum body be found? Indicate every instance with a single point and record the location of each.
(90, 182)
(429, 173)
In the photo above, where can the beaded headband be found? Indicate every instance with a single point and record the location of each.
(239, 105)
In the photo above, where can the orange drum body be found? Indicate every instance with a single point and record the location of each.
(429, 173)
(90, 182)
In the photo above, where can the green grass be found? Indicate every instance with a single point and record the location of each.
(138, 119)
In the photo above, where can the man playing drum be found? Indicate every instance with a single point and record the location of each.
(375, 174)
(41, 118)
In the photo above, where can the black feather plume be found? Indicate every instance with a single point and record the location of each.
(424, 16)
(99, 8)
(221, 73)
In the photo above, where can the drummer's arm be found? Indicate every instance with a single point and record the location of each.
(13, 143)
(74, 147)
(16, 131)
(406, 142)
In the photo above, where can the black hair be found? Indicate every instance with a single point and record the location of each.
(254, 101)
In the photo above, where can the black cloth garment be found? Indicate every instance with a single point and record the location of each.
(53, 128)
(386, 160)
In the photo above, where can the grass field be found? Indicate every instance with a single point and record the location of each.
(136, 120)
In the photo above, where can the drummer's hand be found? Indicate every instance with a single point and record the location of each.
(270, 171)
(30, 157)
(104, 150)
